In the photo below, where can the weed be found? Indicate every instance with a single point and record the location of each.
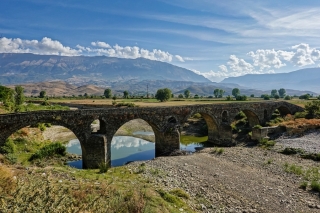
(218, 151)
(103, 167)
(7, 181)
(169, 197)
(292, 151)
(12, 158)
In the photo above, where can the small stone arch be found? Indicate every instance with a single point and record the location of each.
(284, 110)
(225, 116)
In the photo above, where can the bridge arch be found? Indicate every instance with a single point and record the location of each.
(133, 145)
(212, 125)
(252, 117)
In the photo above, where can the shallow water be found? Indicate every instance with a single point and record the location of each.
(125, 149)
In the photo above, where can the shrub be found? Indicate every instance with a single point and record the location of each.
(315, 186)
(197, 115)
(313, 108)
(292, 151)
(8, 147)
(12, 158)
(49, 150)
(257, 127)
(300, 115)
(241, 98)
(228, 98)
(305, 96)
(265, 143)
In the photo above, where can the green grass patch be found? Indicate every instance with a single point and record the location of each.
(186, 139)
(266, 143)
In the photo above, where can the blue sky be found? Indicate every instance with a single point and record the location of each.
(217, 39)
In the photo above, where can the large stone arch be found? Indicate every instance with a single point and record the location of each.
(252, 117)
(211, 121)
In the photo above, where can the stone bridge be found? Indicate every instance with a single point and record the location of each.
(165, 122)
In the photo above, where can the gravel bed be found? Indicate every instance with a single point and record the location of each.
(310, 142)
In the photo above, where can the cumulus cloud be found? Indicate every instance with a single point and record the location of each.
(47, 46)
(239, 65)
(266, 59)
(100, 44)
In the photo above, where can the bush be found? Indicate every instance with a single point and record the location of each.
(300, 115)
(9, 147)
(228, 98)
(49, 150)
(7, 182)
(313, 108)
(315, 186)
(42, 127)
(287, 97)
(241, 98)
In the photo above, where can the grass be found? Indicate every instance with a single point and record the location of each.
(293, 169)
(65, 189)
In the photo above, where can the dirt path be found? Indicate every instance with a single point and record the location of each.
(241, 179)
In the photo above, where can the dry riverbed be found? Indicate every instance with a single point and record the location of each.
(240, 179)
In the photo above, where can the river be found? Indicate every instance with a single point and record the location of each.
(125, 149)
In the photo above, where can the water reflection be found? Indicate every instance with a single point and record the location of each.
(126, 148)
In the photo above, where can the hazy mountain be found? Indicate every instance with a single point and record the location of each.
(21, 68)
(304, 79)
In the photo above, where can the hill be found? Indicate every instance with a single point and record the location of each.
(304, 79)
(17, 68)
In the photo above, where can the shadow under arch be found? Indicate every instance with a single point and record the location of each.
(213, 128)
(134, 140)
(252, 117)
(283, 110)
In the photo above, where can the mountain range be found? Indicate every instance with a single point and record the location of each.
(304, 79)
(18, 68)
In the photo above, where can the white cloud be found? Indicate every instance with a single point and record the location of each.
(179, 58)
(100, 44)
(266, 59)
(46, 46)
(239, 65)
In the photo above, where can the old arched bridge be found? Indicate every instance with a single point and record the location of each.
(165, 122)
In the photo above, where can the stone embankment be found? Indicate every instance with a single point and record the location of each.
(239, 179)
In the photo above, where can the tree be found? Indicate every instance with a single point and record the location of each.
(163, 94)
(221, 92)
(241, 98)
(180, 96)
(196, 96)
(252, 95)
(235, 92)
(266, 97)
(216, 93)
(187, 93)
(125, 94)
(305, 96)
(282, 92)
(274, 92)
(107, 93)
(19, 96)
(42, 94)
(276, 96)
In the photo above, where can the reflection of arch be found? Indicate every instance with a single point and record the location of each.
(225, 116)
(253, 119)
